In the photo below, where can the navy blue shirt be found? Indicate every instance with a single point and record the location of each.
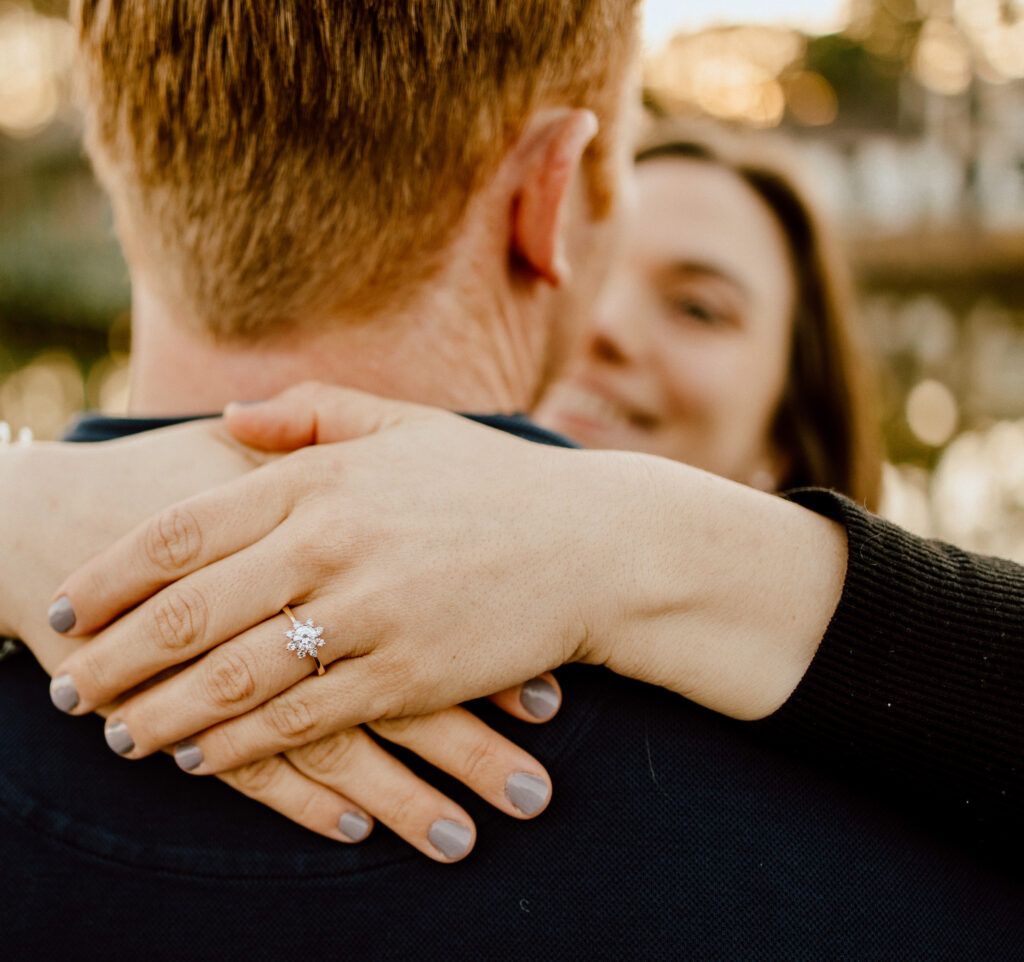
(671, 834)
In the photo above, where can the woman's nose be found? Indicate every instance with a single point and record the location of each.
(605, 347)
(617, 337)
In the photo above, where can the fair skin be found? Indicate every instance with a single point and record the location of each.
(279, 712)
(489, 336)
(508, 271)
(689, 346)
(737, 586)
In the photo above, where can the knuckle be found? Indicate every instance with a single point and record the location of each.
(307, 809)
(401, 807)
(478, 762)
(229, 680)
(398, 679)
(179, 618)
(313, 470)
(291, 718)
(332, 754)
(317, 556)
(173, 540)
(96, 667)
(398, 729)
(256, 777)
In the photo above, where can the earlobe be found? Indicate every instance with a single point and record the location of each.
(551, 152)
(769, 472)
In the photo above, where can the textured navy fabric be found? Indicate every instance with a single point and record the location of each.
(917, 683)
(671, 835)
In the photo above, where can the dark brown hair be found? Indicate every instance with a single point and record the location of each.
(826, 425)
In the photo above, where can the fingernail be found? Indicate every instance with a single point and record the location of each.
(354, 826)
(450, 838)
(527, 792)
(118, 738)
(63, 694)
(539, 698)
(188, 755)
(61, 615)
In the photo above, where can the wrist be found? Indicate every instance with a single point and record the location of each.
(724, 593)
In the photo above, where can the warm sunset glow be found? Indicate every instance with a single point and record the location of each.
(35, 54)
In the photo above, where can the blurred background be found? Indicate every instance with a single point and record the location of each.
(910, 119)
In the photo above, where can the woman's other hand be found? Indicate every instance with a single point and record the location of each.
(338, 785)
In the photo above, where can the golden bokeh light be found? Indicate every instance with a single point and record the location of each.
(811, 98)
(43, 395)
(730, 73)
(977, 491)
(942, 59)
(106, 387)
(1004, 51)
(932, 412)
(35, 56)
(46, 393)
(736, 89)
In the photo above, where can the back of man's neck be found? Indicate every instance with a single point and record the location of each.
(177, 372)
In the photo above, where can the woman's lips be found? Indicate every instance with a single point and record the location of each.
(580, 405)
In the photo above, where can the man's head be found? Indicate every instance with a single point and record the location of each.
(271, 163)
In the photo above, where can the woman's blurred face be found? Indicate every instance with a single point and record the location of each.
(688, 353)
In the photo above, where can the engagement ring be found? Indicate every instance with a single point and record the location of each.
(304, 639)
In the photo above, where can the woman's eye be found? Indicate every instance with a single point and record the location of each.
(696, 310)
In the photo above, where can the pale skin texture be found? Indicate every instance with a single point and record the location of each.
(689, 344)
(678, 578)
(505, 278)
(310, 786)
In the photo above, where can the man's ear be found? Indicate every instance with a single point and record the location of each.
(550, 152)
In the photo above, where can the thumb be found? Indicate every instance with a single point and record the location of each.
(316, 413)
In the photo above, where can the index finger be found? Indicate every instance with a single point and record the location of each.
(166, 547)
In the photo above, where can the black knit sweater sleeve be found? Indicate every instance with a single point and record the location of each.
(918, 685)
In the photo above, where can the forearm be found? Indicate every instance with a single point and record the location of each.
(904, 672)
(725, 591)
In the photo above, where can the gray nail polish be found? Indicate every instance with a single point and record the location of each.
(188, 756)
(354, 826)
(63, 693)
(450, 838)
(527, 792)
(539, 698)
(118, 738)
(61, 615)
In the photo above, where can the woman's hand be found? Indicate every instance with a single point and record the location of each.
(445, 561)
(336, 786)
(313, 531)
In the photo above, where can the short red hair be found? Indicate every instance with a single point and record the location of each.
(274, 160)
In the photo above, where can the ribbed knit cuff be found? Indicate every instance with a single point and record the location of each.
(920, 675)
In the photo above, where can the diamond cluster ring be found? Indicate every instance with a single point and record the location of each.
(304, 639)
